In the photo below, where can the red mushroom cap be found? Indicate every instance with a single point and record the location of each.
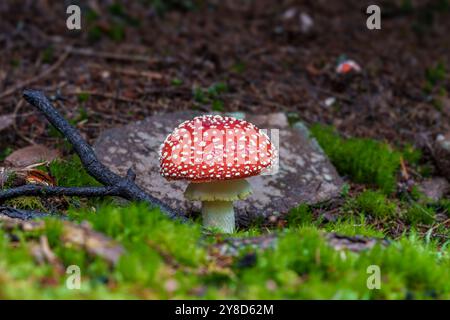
(214, 147)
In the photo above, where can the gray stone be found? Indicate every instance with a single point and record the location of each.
(435, 188)
(305, 174)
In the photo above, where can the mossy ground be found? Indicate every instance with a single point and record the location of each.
(166, 259)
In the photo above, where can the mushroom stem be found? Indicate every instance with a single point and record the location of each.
(218, 214)
(217, 201)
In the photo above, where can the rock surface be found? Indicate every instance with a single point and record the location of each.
(305, 175)
(435, 188)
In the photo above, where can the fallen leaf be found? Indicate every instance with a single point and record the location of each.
(35, 176)
(31, 155)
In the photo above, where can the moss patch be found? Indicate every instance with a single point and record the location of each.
(363, 160)
(166, 259)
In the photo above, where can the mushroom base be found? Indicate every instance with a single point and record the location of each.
(218, 214)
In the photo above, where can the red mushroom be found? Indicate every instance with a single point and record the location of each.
(216, 154)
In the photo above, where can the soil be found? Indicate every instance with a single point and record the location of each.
(268, 62)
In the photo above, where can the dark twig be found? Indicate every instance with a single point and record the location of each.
(47, 191)
(114, 184)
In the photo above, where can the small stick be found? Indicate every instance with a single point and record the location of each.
(22, 214)
(109, 55)
(51, 191)
(404, 170)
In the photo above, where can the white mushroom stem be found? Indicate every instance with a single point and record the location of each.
(218, 214)
(217, 201)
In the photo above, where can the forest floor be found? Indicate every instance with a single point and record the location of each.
(130, 61)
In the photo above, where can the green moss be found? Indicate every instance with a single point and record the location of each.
(5, 152)
(363, 160)
(301, 266)
(166, 259)
(304, 266)
(418, 213)
(353, 226)
(301, 215)
(9, 183)
(411, 154)
(176, 82)
(83, 97)
(375, 204)
(436, 73)
(48, 54)
(26, 203)
(71, 173)
(211, 95)
(137, 224)
(217, 105)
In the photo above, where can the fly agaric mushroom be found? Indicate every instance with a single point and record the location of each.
(216, 154)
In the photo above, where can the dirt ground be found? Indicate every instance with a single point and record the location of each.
(129, 62)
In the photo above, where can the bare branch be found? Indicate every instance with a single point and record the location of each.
(114, 184)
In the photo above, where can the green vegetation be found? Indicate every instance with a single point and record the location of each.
(48, 54)
(26, 203)
(71, 173)
(211, 95)
(117, 21)
(239, 67)
(375, 204)
(418, 213)
(176, 82)
(435, 84)
(363, 160)
(300, 215)
(5, 152)
(436, 73)
(354, 226)
(166, 259)
(163, 6)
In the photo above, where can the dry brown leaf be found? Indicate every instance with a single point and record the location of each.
(31, 155)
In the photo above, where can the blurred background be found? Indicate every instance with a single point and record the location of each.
(132, 59)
